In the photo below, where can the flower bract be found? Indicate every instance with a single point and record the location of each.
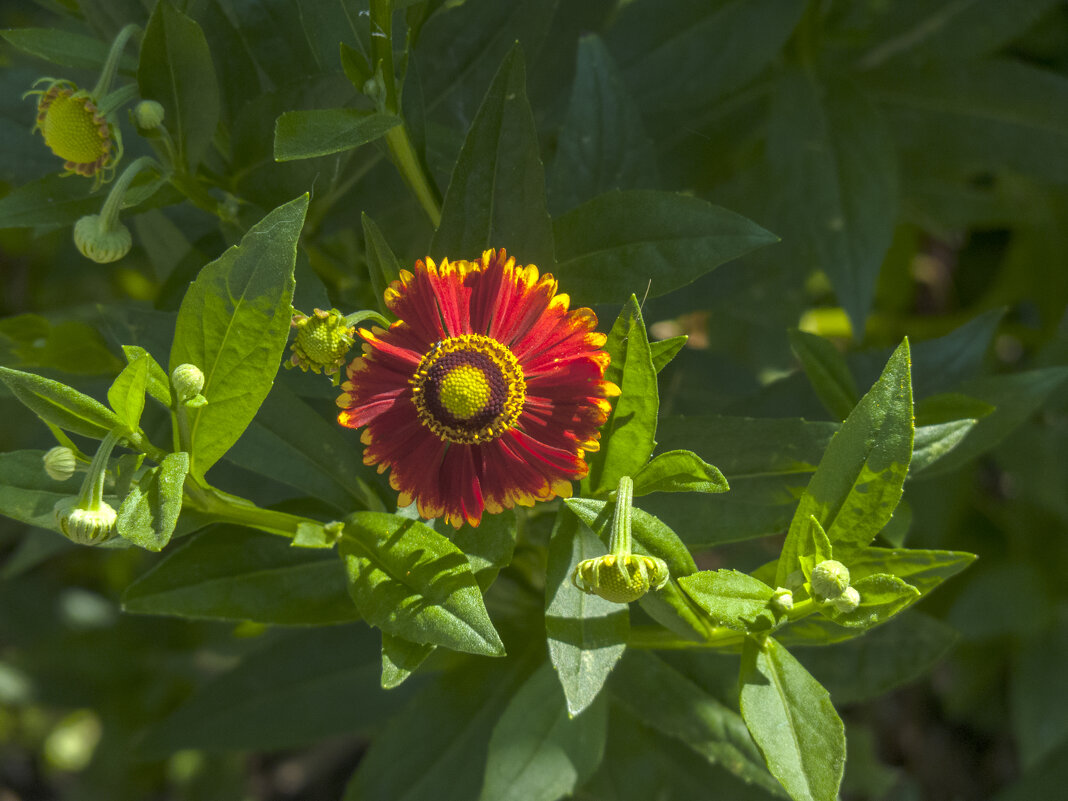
(486, 393)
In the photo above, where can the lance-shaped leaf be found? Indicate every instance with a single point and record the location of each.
(827, 371)
(793, 721)
(411, 581)
(233, 325)
(381, 263)
(933, 442)
(628, 438)
(157, 384)
(127, 392)
(881, 597)
(586, 633)
(664, 350)
(237, 574)
(66, 48)
(678, 471)
(662, 697)
(176, 71)
(400, 657)
(735, 599)
(150, 511)
(923, 569)
(496, 197)
(859, 480)
(614, 245)
(320, 132)
(53, 200)
(60, 405)
(538, 752)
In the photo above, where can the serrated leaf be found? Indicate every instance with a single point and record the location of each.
(792, 720)
(735, 599)
(236, 574)
(614, 245)
(60, 405)
(233, 325)
(176, 71)
(827, 371)
(538, 752)
(496, 196)
(158, 384)
(126, 395)
(628, 437)
(586, 634)
(678, 471)
(410, 581)
(859, 480)
(663, 698)
(320, 132)
(150, 511)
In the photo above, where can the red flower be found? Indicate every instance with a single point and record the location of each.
(484, 394)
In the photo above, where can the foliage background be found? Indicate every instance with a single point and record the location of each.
(910, 155)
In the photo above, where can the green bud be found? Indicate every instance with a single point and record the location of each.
(59, 463)
(187, 380)
(620, 579)
(99, 242)
(829, 579)
(148, 114)
(85, 526)
(322, 342)
(782, 601)
(847, 601)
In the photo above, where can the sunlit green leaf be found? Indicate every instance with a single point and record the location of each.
(150, 511)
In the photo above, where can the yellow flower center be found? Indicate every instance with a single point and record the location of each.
(73, 131)
(468, 389)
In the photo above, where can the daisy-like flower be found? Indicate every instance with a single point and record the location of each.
(73, 127)
(486, 392)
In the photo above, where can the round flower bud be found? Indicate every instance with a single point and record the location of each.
(322, 342)
(59, 463)
(84, 526)
(187, 380)
(620, 579)
(100, 243)
(148, 114)
(829, 579)
(847, 601)
(782, 601)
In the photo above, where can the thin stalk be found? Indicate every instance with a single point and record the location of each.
(111, 66)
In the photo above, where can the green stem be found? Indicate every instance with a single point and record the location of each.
(411, 169)
(111, 66)
(91, 495)
(620, 544)
(657, 638)
(226, 508)
(109, 214)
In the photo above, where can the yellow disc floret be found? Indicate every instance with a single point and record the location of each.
(464, 392)
(75, 130)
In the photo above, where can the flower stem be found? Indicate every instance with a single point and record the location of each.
(226, 508)
(109, 214)
(92, 492)
(620, 544)
(111, 66)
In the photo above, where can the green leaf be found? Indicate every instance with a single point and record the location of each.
(176, 71)
(400, 658)
(792, 720)
(881, 597)
(737, 600)
(320, 132)
(150, 511)
(833, 162)
(27, 494)
(949, 407)
(537, 751)
(496, 197)
(276, 697)
(66, 48)
(587, 634)
(355, 66)
(290, 442)
(827, 371)
(923, 569)
(412, 582)
(1040, 717)
(813, 547)
(860, 477)
(60, 405)
(665, 699)
(127, 393)
(69, 345)
(233, 325)
(664, 350)
(616, 244)
(602, 143)
(232, 573)
(933, 442)
(489, 547)
(678, 471)
(627, 439)
(884, 658)
(158, 383)
(382, 264)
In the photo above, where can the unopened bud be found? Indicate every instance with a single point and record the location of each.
(829, 579)
(59, 463)
(620, 579)
(103, 244)
(782, 601)
(84, 526)
(847, 601)
(148, 114)
(187, 380)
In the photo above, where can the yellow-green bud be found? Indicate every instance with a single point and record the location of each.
(783, 600)
(187, 380)
(847, 601)
(829, 579)
(59, 463)
(148, 114)
(102, 244)
(620, 579)
(84, 526)
(322, 342)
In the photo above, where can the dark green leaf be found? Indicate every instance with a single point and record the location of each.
(354, 63)
(488, 547)
(678, 471)
(320, 132)
(400, 658)
(237, 574)
(381, 262)
(663, 698)
(496, 197)
(537, 751)
(791, 718)
(66, 48)
(60, 405)
(614, 245)
(69, 345)
(176, 71)
(233, 325)
(126, 395)
(602, 143)
(949, 407)
(412, 582)
(27, 494)
(587, 634)
(1040, 717)
(735, 599)
(827, 371)
(150, 511)
(933, 442)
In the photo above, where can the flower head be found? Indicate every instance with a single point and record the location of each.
(322, 342)
(486, 393)
(620, 579)
(76, 131)
(102, 243)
